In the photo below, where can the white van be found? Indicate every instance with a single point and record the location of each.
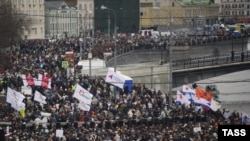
(95, 64)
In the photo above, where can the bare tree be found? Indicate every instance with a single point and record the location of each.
(12, 25)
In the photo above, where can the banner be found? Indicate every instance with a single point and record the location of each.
(82, 95)
(40, 98)
(15, 99)
(44, 80)
(215, 105)
(28, 80)
(83, 106)
(182, 99)
(18, 106)
(189, 92)
(26, 90)
(202, 97)
(119, 79)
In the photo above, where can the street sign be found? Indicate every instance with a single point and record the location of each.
(65, 64)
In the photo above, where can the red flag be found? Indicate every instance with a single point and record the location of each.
(200, 93)
(45, 81)
(28, 80)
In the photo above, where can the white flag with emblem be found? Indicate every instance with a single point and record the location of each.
(40, 98)
(15, 99)
(83, 95)
(83, 106)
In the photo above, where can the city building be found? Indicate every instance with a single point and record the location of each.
(61, 20)
(185, 13)
(86, 16)
(81, 17)
(34, 12)
(232, 11)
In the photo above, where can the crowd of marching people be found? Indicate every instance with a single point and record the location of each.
(141, 114)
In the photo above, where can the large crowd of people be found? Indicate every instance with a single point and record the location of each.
(142, 114)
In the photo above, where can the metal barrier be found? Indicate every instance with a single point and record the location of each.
(118, 123)
(210, 60)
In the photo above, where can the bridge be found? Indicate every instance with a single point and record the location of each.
(143, 65)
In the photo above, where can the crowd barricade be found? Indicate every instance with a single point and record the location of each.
(110, 124)
(5, 123)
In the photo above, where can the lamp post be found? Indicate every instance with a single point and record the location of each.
(81, 40)
(170, 61)
(90, 57)
(108, 25)
(242, 53)
(232, 53)
(170, 56)
(115, 63)
(104, 8)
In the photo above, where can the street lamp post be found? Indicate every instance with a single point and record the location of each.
(80, 57)
(90, 57)
(170, 57)
(242, 53)
(115, 63)
(103, 8)
(108, 25)
(232, 53)
(170, 61)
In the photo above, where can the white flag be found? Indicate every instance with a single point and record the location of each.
(83, 106)
(116, 78)
(189, 92)
(215, 105)
(40, 98)
(15, 99)
(83, 95)
(18, 106)
(182, 99)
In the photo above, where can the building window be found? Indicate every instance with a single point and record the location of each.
(41, 30)
(85, 6)
(34, 30)
(91, 7)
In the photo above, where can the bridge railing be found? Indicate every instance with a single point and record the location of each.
(211, 60)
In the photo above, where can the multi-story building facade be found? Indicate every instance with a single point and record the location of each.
(156, 13)
(34, 12)
(128, 18)
(61, 20)
(86, 16)
(233, 10)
